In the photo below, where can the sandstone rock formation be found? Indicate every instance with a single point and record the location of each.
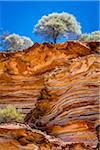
(22, 73)
(21, 137)
(69, 108)
(60, 82)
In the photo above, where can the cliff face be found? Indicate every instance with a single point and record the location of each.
(22, 74)
(60, 83)
(69, 106)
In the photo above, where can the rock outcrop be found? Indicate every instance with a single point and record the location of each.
(69, 105)
(58, 86)
(21, 137)
(22, 73)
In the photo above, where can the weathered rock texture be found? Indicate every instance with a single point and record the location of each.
(61, 83)
(22, 73)
(21, 137)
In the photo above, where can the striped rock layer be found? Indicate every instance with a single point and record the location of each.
(21, 137)
(22, 74)
(68, 107)
(61, 83)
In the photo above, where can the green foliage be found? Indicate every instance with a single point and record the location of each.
(94, 36)
(10, 114)
(56, 25)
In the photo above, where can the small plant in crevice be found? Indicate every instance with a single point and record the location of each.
(10, 114)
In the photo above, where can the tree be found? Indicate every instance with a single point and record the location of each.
(15, 42)
(94, 36)
(57, 25)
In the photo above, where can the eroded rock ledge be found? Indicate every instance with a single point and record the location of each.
(21, 137)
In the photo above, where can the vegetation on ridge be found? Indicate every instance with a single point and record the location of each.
(57, 25)
(52, 28)
(94, 36)
(14, 42)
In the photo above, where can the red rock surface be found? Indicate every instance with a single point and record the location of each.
(22, 73)
(69, 108)
(21, 137)
(61, 84)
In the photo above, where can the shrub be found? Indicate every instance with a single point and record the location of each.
(14, 42)
(10, 114)
(94, 36)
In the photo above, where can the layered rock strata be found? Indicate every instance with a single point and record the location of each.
(69, 107)
(22, 73)
(21, 137)
(60, 83)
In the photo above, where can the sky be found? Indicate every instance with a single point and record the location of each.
(20, 17)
